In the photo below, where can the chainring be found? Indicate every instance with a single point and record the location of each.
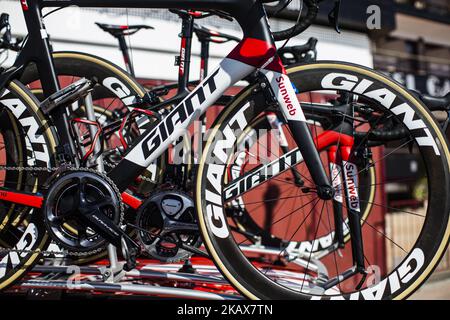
(166, 219)
(71, 192)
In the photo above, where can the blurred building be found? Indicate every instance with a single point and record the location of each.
(412, 42)
(153, 51)
(417, 51)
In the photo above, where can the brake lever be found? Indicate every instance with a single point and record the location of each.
(333, 16)
(4, 20)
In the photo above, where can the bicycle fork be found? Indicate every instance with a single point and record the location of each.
(285, 96)
(345, 181)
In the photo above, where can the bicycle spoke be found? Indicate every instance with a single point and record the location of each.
(315, 237)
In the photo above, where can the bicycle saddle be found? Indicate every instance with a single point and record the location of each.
(122, 30)
(206, 34)
(300, 53)
(436, 103)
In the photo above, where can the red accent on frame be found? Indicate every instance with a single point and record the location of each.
(182, 57)
(24, 5)
(125, 120)
(202, 69)
(97, 134)
(124, 27)
(328, 138)
(26, 199)
(195, 14)
(125, 59)
(256, 52)
(131, 201)
(332, 156)
(346, 152)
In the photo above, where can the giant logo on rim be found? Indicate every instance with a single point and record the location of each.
(403, 275)
(213, 195)
(35, 141)
(365, 87)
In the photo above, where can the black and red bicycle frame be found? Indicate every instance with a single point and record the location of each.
(255, 53)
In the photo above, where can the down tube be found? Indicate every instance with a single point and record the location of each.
(287, 99)
(157, 139)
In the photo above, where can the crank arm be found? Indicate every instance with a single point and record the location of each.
(107, 229)
(179, 226)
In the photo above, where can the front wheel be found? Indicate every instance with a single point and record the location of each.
(393, 107)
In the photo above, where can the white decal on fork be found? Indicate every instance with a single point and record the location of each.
(336, 181)
(351, 184)
(284, 93)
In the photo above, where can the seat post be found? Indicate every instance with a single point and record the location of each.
(125, 53)
(184, 60)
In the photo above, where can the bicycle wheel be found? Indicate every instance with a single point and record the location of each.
(27, 141)
(245, 221)
(113, 95)
(393, 107)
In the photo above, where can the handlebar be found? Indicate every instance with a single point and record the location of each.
(6, 41)
(382, 135)
(302, 53)
(313, 9)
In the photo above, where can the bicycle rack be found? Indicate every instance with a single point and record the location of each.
(146, 273)
(111, 279)
(106, 287)
(311, 263)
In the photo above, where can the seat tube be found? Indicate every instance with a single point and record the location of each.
(187, 31)
(38, 49)
(126, 54)
(204, 57)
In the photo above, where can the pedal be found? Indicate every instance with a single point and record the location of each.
(68, 95)
(130, 254)
(187, 267)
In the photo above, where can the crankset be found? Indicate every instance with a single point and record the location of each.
(167, 226)
(83, 212)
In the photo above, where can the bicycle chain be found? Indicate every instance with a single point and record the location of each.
(68, 253)
(112, 165)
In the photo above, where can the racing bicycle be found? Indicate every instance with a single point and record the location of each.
(98, 198)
